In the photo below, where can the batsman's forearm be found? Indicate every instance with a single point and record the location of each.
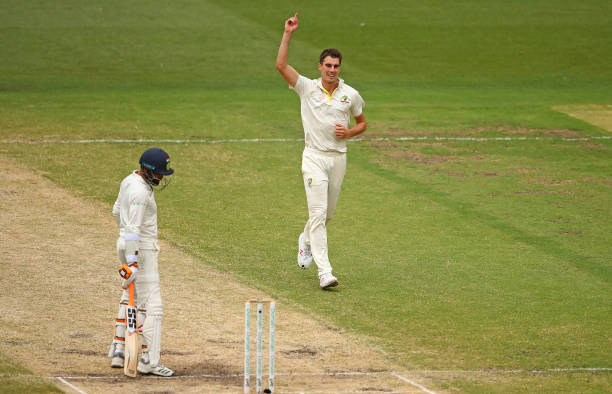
(117, 212)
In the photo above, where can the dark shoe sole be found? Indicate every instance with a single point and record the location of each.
(333, 284)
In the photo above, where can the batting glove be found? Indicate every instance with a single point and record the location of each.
(128, 274)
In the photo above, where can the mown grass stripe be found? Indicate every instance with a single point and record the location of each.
(264, 140)
(471, 213)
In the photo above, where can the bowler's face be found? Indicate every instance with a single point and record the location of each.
(330, 68)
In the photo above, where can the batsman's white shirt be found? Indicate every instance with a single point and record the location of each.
(321, 111)
(136, 211)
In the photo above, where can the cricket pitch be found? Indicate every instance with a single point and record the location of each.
(60, 296)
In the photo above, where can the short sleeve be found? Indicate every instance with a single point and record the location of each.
(301, 86)
(357, 105)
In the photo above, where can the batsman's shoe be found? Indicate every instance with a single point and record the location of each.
(327, 280)
(159, 370)
(117, 360)
(304, 257)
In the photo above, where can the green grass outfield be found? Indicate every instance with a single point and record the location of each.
(487, 248)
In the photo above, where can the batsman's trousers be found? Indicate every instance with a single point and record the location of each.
(147, 296)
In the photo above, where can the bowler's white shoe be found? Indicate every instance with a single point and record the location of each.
(304, 257)
(159, 370)
(327, 280)
(117, 360)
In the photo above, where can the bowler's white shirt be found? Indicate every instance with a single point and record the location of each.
(320, 112)
(136, 210)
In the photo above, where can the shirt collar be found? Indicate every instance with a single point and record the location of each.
(320, 83)
(139, 177)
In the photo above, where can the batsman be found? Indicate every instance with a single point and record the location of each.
(136, 214)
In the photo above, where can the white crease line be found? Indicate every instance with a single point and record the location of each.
(357, 373)
(126, 141)
(70, 385)
(415, 384)
(336, 391)
(113, 377)
(424, 389)
(265, 140)
(207, 376)
(493, 371)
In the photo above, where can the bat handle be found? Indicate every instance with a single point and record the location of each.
(131, 292)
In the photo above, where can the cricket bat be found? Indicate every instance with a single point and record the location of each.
(132, 341)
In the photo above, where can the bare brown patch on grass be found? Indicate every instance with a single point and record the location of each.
(416, 157)
(404, 152)
(544, 192)
(522, 130)
(61, 289)
(605, 181)
(526, 171)
(595, 147)
(552, 182)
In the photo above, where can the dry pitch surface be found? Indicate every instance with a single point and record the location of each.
(59, 297)
(598, 115)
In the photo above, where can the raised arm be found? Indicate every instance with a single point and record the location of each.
(288, 72)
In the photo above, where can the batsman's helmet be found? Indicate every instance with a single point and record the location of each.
(156, 160)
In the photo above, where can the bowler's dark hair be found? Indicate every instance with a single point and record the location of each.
(331, 52)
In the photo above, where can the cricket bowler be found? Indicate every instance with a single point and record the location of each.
(327, 104)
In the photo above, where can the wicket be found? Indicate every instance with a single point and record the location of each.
(247, 344)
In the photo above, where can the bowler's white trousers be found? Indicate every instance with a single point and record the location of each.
(323, 174)
(147, 297)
